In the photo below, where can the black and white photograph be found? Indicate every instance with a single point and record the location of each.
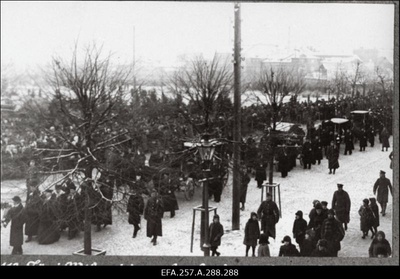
(210, 132)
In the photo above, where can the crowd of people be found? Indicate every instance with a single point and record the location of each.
(47, 214)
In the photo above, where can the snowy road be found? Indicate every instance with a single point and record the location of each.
(357, 172)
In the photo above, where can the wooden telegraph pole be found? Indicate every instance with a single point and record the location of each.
(237, 119)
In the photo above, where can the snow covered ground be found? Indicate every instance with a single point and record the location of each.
(357, 172)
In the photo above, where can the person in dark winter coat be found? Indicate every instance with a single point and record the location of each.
(268, 212)
(348, 142)
(332, 155)
(251, 233)
(167, 192)
(375, 210)
(321, 250)
(245, 176)
(135, 208)
(153, 213)
(307, 154)
(316, 219)
(366, 218)
(261, 174)
(325, 209)
(341, 204)
(381, 188)
(288, 249)
(16, 216)
(333, 232)
(74, 210)
(49, 230)
(307, 246)
(371, 136)
(317, 149)
(385, 138)
(283, 161)
(32, 211)
(299, 228)
(215, 185)
(380, 247)
(263, 248)
(216, 232)
(363, 139)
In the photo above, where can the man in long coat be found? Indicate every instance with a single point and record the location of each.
(348, 142)
(135, 208)
(381, 188)
(333, 157)
(307, 154)
(341, 204)
(16, 216)
(32, 211)
(153, 213)
(49, 230)
(269, 215)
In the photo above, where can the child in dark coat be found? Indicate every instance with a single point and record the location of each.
(299, 228)
(321, 250)
(380, 247)
(288, 249)
(251, 233)
(366, 217)
(216, 232)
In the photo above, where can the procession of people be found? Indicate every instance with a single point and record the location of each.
(48, 213)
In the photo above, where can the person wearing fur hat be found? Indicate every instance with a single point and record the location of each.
(268, 212)
(288, 249)
(366, 218)
(341, 204)
(263, 248)
(216, 232)
(16, 216)
(375, 210)
(381, 189)
(135, 208)
(251, 233)
(332, 230)
(379, 247)
(316, 220)
(299, 228)
(321, 250)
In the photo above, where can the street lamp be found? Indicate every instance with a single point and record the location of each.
(206, 151)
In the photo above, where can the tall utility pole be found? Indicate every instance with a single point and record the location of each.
(237, 118)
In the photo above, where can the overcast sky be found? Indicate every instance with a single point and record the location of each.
(33, 31)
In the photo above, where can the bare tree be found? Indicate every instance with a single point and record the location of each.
(86, 92)
(354, 78)
(275, 85)
(202, 82)
(340, 80)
